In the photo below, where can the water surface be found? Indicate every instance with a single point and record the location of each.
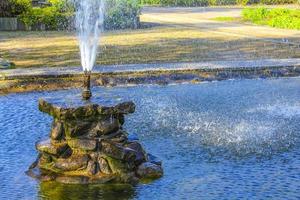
(235, 139)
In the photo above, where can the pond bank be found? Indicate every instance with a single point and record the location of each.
(40, 79)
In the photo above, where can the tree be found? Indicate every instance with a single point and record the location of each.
(5, 8)
(13, 8)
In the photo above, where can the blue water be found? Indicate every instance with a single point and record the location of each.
(235, 139)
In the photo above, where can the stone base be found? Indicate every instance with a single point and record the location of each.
(89, 145)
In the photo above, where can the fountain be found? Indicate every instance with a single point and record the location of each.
(87, 141)
(89, 22)
(87, 93)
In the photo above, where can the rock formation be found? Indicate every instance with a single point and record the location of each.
(88, 144)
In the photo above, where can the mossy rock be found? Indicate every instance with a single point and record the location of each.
(150, 170)
(140, 154)
(91, 128)
(48, 147)
(73, 179)
(104, 166)
(57, 130)
(75, 162)
(117, 166)
(83, 144)
(117, 151)
(50, 167)
(77, 128)
(82, 110)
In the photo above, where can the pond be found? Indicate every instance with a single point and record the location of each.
(237, 139)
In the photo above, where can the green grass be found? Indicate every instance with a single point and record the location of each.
(277, 17)
(226, 19)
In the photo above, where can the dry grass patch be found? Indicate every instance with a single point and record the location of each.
(156, 44)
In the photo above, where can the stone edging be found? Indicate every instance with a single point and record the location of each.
(64, 78)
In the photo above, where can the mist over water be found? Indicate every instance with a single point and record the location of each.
(228, 121)
(89, 19)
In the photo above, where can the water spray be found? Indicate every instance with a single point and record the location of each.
(89, 18)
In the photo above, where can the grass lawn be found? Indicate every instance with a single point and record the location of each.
(226, 19)
(149, 45)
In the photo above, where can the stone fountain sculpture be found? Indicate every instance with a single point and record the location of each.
(88, 143)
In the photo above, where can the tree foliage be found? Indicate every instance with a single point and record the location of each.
(13, 8)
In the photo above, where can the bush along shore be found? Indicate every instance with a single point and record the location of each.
(276, 17)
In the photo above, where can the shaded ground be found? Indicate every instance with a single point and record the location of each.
(183, 35)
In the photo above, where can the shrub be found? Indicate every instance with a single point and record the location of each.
(255, 15)
(274, 2)
(20, 6)
(247, 2)
(62, 5)
(122, 14)
(221, 2)
(150, 2)
(214, 2)
(242, 2)
(53, 17)
(13, 8)
(184, 2)
(5, 9)
(278, 17)
(284, 18)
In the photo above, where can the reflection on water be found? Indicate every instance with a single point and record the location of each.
(57, 191)
(237, 139)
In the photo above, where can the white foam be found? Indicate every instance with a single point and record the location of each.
(282, 110)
